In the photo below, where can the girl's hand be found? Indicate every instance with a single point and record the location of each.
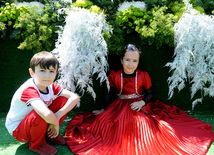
(137, 105)
(97, 112)
(53, 131)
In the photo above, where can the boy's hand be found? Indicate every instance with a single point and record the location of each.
(53, 130)
(137, 105)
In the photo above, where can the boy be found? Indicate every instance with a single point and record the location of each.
(39, 106)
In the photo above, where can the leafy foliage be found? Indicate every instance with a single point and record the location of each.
(38, 30)
(87, 4)
(160, 31)
(3, 2)
(154, 27)
(9, 16)
(115, 40)
(83, 4)
(178, 9)
(149, 24)
(41, 1)
(204, 5)
(109, 7)
(153, 3)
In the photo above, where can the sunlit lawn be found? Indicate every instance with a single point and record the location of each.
(10, 146)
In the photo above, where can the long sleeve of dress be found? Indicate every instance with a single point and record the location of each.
(148, 95)
(109, 98)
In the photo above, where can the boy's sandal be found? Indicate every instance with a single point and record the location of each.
(59, 140)
(45, 149)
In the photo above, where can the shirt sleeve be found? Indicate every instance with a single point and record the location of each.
(111, 78)
(57, 90)
(30, 94)
(148, 82)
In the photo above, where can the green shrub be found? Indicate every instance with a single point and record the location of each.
(115, 40)
(87, 4)
(109, 7)
(178, 9)
(203, 6)
(154, 27)
(41, 1)
(9, 16)
(2, 26)
(38, 30)
(3, 2)
(160, 30)
(83, 4)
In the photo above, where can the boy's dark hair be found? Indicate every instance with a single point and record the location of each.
(44, 59)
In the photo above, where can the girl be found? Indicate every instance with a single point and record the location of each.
(132, 124)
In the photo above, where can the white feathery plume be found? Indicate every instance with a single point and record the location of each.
(126, 5)
(82, 50)
(31, 4)
(194, 54)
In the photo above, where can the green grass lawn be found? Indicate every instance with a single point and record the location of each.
(9, 146)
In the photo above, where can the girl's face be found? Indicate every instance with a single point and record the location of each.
(130, 61)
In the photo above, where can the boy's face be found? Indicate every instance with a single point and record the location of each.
(43, 77)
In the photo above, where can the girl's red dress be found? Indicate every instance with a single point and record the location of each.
(157, 129)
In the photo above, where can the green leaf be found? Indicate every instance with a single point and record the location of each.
(199, 3)
(14, 33)
(128, 31)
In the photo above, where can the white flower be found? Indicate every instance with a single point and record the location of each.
(126, 5)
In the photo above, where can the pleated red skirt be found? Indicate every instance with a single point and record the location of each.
(158, 129)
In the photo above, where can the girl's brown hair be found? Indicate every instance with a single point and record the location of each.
(129, 47)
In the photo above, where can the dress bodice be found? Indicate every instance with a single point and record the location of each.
(133, 85)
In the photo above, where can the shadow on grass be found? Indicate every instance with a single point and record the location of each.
(10, 146)
(24, 150)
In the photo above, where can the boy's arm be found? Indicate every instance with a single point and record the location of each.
(43, 111)
(73, 99)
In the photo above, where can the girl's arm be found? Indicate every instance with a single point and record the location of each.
(148, 95)
(109, 98)
(139, 104)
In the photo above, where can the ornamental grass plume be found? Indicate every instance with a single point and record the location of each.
(194, 54)
(82, 50)
(31, 4)
(126, 5)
